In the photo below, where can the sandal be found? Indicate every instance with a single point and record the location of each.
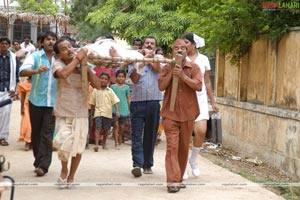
(71, 185)
(62, 183)
(3, 142)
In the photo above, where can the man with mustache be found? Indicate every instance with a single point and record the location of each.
(144, 109)
(71, 123)
(42, 97)
(178, 124)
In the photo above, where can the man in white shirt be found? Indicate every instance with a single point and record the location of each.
(27, 46)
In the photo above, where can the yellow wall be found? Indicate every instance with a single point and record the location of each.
(259, 99)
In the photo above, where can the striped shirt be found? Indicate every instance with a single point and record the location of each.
(43, 89)
(146, 89)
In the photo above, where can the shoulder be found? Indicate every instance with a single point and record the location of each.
(37, 53)
(200, 55)
(202, 58)
(58, 64)
(12, 54)
(113, 86)
(109, 90)
(195, 67)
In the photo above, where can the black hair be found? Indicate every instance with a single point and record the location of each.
(17, 41)
(27, 36)
(137, 40)
(66, 37)
(150, 37)
(55, 46)
(120, 71)
(159, 49)
(110, 37)
(5, 39)
(48, 33)
(105, 74)
(189, 36)
(39, 37)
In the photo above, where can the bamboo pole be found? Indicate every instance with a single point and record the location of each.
(178, 60)
(106, 60)
(84, 83)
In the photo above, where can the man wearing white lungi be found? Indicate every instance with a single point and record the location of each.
(9, 67)
(71, 115)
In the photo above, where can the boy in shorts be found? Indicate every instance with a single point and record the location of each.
(101, 102)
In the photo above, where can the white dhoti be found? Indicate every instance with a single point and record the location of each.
(70, 139)
(4, 116)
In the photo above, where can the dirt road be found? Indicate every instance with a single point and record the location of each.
(106, 175)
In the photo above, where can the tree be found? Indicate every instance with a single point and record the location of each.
(39, 6)
(87, 30)
(227, 25)
(232, 25)
(131, 19)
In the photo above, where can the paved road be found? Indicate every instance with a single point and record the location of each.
(106, 175)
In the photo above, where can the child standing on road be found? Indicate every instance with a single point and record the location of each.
(123, 93)
(101, 102)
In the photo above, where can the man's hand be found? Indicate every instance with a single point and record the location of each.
(178, 71)
(81, 53)
(41, 69)
(12, 94)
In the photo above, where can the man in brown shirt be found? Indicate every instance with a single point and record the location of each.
(178, 124)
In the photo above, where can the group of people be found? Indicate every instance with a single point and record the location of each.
(55, 71)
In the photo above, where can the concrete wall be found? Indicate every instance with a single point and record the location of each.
(259, 99)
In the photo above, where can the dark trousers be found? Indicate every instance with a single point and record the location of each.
(144, 123)
(42, 125)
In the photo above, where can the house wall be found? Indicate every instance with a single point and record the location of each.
(259, 100)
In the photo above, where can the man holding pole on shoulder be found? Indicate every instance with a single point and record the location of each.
(178, 122)
(144, 109)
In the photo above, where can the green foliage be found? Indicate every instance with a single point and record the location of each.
(228, 25)
(67, 9)
(90, 32)
(39, 6)
(87, 30)
(132, 19)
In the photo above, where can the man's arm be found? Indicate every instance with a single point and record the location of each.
(30, 72)
(135, 76)
(26, 68)
(165, 78)
(95, 81)
(63, 73)
(67, 70)
(194, 82)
